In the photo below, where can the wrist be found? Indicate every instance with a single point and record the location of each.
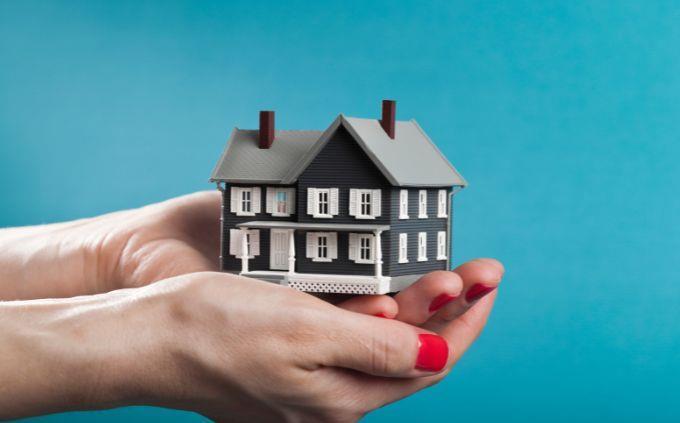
(80, 353)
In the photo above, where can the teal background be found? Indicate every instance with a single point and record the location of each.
(564, 117)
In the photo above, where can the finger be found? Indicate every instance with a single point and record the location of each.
(381, 347)
(372, 305)
(480, 277)
(420, 301)
(460, 334)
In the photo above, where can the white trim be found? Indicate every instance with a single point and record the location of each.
(362, 200)
(422, 204)
(441, 245)
(403, 204)
(318, 192)
(313, 246)
(422, 246)
(441, 203)
(370, 245)
(273, 201)
(403, 248)
(238, 201)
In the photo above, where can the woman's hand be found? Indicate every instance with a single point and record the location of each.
(222, 345)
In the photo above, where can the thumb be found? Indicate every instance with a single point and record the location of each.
(383, 347)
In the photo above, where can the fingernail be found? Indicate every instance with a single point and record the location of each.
(383, 315)
(477, 291)
(440, 301)
(433, 352)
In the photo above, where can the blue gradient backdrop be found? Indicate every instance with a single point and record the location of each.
(565, 118)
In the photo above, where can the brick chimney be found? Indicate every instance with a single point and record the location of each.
(389, 114)
(266, 128)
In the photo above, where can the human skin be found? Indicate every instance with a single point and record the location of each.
(219, 344)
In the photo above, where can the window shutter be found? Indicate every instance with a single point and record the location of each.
(403, 204)
(353, 247)
(235, 242)
(234, 199)
(311, 244)
(290, 198)
(334, 201)
(333, 245)
(441, 209)
(352, 202)
(374, 245)
(257, 200)
(376, 203)
(311, 201)
(269, 205)
(254, 242)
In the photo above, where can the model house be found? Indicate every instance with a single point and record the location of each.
(363, 207)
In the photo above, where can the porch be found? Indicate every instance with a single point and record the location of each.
(283, 269)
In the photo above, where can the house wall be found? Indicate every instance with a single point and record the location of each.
(261, 262)
(412, 226)
(343, 164)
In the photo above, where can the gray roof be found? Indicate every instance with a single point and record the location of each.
(244, 161)
(410, 159)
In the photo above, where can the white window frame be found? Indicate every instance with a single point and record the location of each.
(273, 201)
(363, 206)
(252, 239)
(356, 239)
(317, 202)
(237, 201)
(441, 245)
(358, 207)
(422, 204)
(422, 246)
(441, 203)
(403, 204)
(366, 242)
(331, 246)
(403, 248)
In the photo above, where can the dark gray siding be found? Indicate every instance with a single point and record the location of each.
(412, 226)
(342, 164)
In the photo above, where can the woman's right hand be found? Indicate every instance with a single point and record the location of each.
(222, 345)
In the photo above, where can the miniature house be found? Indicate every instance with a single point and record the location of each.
(363, 207)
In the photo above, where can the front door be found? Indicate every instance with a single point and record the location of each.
(278, 257)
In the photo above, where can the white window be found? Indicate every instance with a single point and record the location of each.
(362, 248)
(441, 203)
(236, 242)
(245, 201)
(403, 204)
(441, 245)
(322, 246)
(280, 201)
(364, 203)
(422, 246)
(403, 248)
(322, 202)
(422, 204)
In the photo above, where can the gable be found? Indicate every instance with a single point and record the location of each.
(342, 162)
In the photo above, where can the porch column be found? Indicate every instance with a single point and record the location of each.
(244, 250)
(291, 252)
(378, 255)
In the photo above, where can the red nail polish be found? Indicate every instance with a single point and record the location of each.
(440, 301)
(477, 291)
(383, 315)
(433, 353)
